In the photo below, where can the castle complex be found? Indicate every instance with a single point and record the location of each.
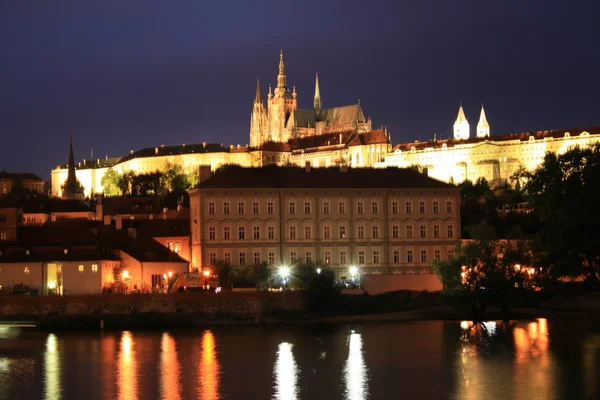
(493, 157)
(283, 134)
(280, 134)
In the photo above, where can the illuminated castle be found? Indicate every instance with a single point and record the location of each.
(280, 133)
(494, 158)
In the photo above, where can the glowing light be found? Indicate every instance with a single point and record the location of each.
(170, 274)
(206, 273)
(490, 327)
(318, 270)
(169, 368)
(353, 270)
(52, 285)
(517, 267)
(464, 325)
(284, 272)
(209, 369)
(126, 367)
(286, 373)
(165, 276)
(355, 371)
(52, 369)
(531, 271)
(125, 274)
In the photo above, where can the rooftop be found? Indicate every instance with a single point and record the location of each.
(19, 176)
(295, 177)
(523, 137)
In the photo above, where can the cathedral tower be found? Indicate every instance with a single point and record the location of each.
(461, 125)
(259, 123)
(483, 127)
(280, 104)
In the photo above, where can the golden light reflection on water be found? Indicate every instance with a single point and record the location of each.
(286, 373)
(208, 369)
(355, 370)
(169, 369)
(127, 368)
(534, 369)
(52, 369)
(532, 372)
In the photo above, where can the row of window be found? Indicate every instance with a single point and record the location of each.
(308, 232)
(81, 268)
(327, 207)
(308, 257)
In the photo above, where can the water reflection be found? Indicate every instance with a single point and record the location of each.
(127, 368)
(169, 369)
(52, 369)
(534, 369)
(208, 369)
(355, 371)
(286, 373)
(532, 372)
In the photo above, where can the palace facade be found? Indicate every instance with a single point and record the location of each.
(381, 221)
(280, 134)
(493, 157)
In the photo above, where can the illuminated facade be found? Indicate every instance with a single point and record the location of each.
(494, 158)
(280, 134)
(378, 220)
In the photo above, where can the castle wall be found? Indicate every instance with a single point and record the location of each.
(496, 161)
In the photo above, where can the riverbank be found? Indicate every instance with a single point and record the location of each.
(189, 310)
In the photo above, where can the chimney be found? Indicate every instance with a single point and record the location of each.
(203, 173)
(119, 224)
(307, 166)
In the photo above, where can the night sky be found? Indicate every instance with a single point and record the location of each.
(124, 75)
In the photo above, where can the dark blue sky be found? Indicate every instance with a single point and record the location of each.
(125, 75)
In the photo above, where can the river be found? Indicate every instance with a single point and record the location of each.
(537, 359)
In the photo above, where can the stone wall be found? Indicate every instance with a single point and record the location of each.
(262, 304)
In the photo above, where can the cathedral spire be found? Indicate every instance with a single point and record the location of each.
(483, 127)
(317, 101)
(258, 98)
(281, 78)
(70, 186)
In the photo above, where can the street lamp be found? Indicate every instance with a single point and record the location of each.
(206, 273)
(284, 272)
(319, 271)
(353, 271)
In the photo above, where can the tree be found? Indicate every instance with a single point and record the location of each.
(487, 270)
(564, 190)
(78, 186)
(125, 182)
(110, 183)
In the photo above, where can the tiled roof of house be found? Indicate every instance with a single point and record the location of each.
(47, 253)
(160, 227)
(142, 247)
(19, 176)
(294, 177)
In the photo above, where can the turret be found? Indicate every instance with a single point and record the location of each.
(461, 125)
(483, 127)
